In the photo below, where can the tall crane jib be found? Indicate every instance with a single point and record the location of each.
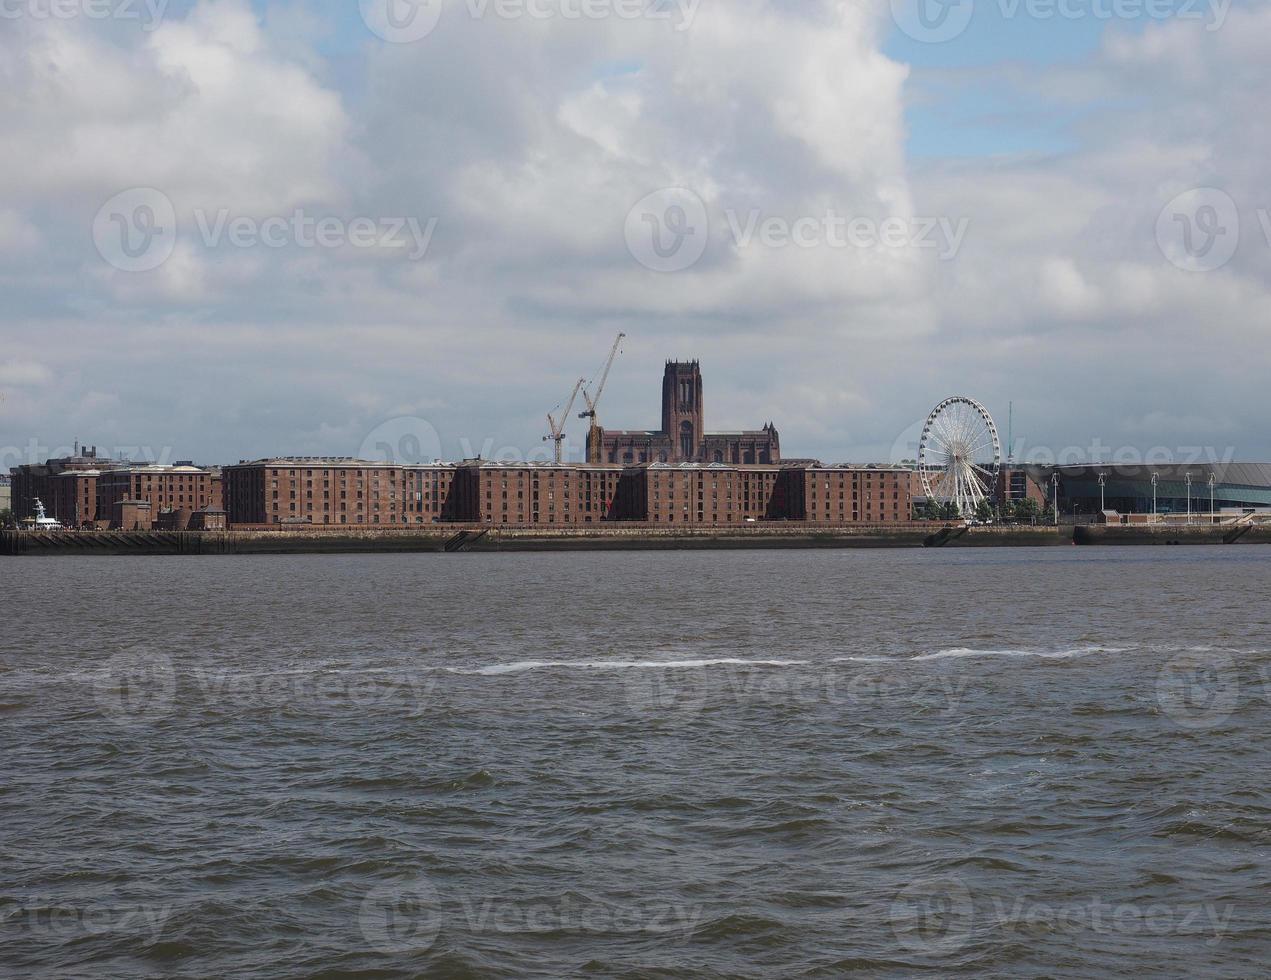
(557, 436)
(593, 435)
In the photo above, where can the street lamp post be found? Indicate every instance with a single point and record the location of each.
(1103, 483)
(1154, 478)
(1189, 496)
(1054, 481)
(1211, 498)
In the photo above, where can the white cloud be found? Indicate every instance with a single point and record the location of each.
(24, 373)
(530, 140)
(202, 109)
(1063, 299)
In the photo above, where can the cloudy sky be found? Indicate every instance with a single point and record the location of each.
(233, 229)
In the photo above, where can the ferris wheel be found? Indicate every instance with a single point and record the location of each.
(960, 456)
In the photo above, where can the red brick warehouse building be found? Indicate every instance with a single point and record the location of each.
(172, 493)
(83, 489)
(67, 486)
(539, 495)
(850, 494)
(338, 491)
(693, 493)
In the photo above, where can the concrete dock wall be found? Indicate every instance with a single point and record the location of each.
(1218, 534)
(461, 539)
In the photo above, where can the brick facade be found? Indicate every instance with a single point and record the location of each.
(1015, 484)
(695, 494)
(81, 490)
(72, 497)
(131, 515)
(334, 492)
(343, 492)
(67, 486)
(536, 494)
(850, 495)
(165, 488)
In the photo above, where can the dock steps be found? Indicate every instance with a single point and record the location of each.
(464, 540)
(944, 536)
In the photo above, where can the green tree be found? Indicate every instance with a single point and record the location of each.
(6, 518)
(1025, 511)
(984, 512)
(927, 510)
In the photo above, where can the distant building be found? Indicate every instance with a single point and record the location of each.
(1015, 484)
(178, 487)
(537, 494)
(211, 519)
(306, 492)
(131, 515)
(851, 494)
(82, 489)
(67, 485)
(683, 437)
(1130, 488)
(6, 494)
(714, 493)
(309, 491)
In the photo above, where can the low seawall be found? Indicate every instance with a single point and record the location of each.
(459, 540)
(1217, 534)
(216, 542)
(456, 540)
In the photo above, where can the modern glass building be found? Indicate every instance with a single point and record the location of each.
(1129, 489)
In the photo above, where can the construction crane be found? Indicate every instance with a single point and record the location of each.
(558, 428)
(593, 435)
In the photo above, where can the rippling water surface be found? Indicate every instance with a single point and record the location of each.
(996, 763)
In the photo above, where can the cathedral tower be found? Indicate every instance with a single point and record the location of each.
(682, 416)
